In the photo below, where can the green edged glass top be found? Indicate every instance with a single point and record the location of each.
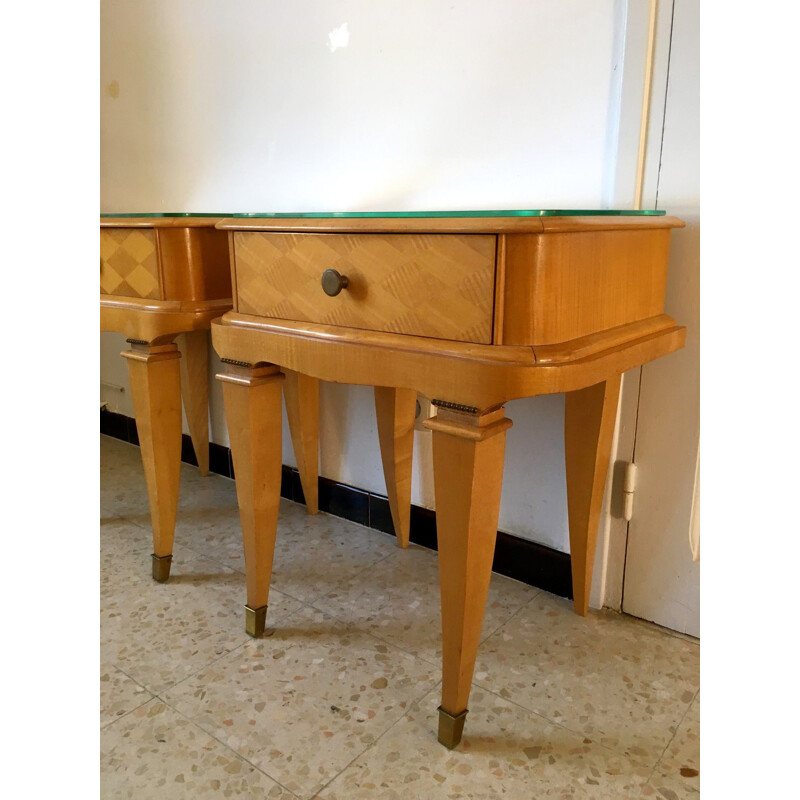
(539, 212)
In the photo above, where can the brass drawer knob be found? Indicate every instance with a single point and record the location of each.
(333, 282)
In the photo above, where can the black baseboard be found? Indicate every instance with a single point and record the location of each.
(514, 557)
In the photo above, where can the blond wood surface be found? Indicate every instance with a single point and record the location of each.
(253, 411)
(468, 474)
(562, 286)
(589, 419)
(195, 263)
(129, 263)
(301, 393)
(448, 224)
(438, 286)
(474, 375)
(500, 291)
(162, 262)
(194, 390)
(396, 410)
(159, 222)
(154, 320)
(156, 391)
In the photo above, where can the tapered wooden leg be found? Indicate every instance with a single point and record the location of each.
(589, 418)
(396, 410)
(194, 389)
(156, 390)
(301, 393)
(252, 398)
(468, 452)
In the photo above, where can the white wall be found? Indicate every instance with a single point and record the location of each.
(242, 105)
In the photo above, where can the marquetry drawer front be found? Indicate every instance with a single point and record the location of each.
(433, 285)
(129, 263)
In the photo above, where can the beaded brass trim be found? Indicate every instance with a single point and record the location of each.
(454, 406)
(235, 362)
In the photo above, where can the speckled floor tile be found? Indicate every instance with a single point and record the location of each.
(313, 554)
(159, 633)
(153, 752)
(125, 550)
(679, 767)
(117, 457)
(119, 694)
(123, 491)
(597, 707)
(506, 752)
(398, 601)
(304, 702)
(620, 683)
(669, 787)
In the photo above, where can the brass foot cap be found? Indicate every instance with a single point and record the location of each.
(161, 565)
(451, 727)
(255, 620)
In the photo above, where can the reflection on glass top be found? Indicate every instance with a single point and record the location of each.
(539, 212)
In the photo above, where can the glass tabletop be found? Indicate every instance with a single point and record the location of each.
(539, 212)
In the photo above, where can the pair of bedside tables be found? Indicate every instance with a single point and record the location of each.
(470, 309)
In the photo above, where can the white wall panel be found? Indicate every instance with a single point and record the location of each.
(242, 105)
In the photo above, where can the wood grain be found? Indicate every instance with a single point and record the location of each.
(482, 376)
(253, 411)
(159, 222)
(129, 263)
(492, 225)
(156, 392)
(157, 320)
(436, 286)
(468, 455)
(396, 410)
(562, 286)
(194, 390)
(195, 263)
(301, 393)
(589, 418)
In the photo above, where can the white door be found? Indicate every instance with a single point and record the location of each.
(662, 579)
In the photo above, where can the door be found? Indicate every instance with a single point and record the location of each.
(662, 577)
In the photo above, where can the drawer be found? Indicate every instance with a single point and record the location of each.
(129, 263)
(188, 263)
(435, 285)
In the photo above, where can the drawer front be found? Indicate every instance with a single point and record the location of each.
(435, 285)
(129, 263)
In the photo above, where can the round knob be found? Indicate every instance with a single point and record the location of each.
(333, 282)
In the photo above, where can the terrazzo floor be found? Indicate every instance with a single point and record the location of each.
(339, 701)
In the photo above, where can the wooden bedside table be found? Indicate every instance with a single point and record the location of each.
(472, 309)
(163, 278)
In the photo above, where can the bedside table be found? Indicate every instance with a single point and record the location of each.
(163, 278)
(471, 309)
